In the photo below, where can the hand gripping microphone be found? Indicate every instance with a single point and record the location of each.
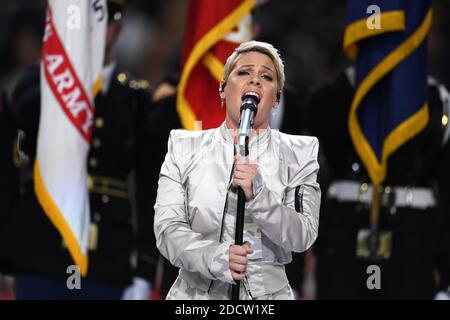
(248, 112)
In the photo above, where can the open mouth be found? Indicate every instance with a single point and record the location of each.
(251, 94)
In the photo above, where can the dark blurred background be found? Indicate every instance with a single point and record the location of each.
(308, 33)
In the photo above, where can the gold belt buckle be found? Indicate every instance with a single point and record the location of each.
(374, 245)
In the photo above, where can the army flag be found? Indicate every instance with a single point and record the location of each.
(387, 40)
(214, 29)
(71, 65)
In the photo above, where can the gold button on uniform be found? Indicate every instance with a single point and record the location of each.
(99, 122)
(444, 120)
(93, 162)
(96, 143)
(122, 77)
(90, 183)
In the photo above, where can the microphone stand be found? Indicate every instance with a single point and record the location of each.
(240, 214)
(248, 111)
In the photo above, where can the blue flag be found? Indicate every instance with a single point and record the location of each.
(387, 40)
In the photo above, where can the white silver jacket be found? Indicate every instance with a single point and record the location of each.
(193, 189)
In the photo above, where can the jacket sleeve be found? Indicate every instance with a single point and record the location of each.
(293, 221)
(175, 239)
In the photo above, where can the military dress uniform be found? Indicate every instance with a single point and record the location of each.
(410, 241)
(9, 177)
(117, 232)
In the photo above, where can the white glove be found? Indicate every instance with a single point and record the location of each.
(442, 295)
(138, 290)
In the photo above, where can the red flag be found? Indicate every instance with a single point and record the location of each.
(214, 29)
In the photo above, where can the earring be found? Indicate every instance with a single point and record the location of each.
(274, 112)
(222, 102)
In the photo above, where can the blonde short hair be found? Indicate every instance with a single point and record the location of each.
(258, 46)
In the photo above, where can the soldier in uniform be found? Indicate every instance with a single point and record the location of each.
(8, 171)
(121, 244)
(410, 218)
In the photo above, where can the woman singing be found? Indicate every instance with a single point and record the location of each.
(197, 193)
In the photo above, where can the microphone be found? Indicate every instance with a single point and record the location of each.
(248, 112)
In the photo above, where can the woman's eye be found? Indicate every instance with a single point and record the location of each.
(267, 77)
(243, 72)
